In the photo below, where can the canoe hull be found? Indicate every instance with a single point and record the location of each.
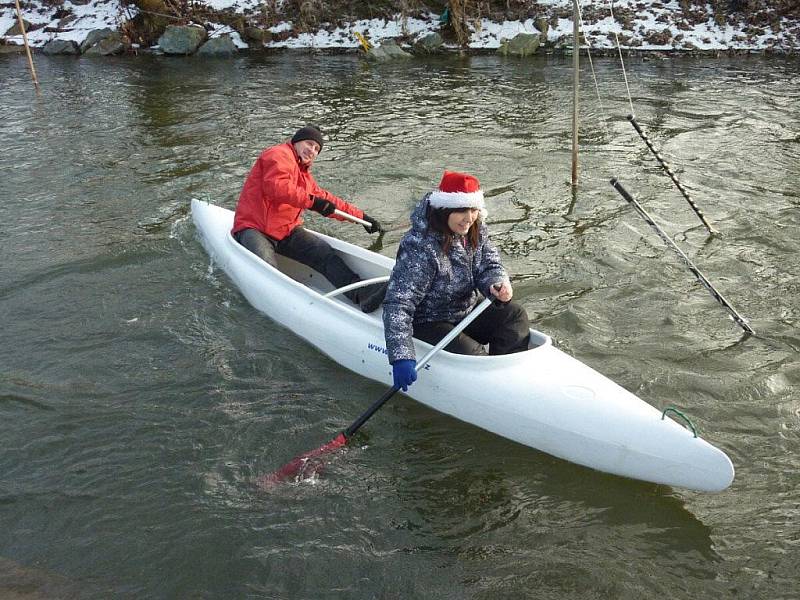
(542, 398)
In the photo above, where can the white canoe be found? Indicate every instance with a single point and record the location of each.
(542, 398)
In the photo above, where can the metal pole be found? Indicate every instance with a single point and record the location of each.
(672, 176)
(576, 48)
(739, 319)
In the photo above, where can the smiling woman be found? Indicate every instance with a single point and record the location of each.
(443, 263)
(461, 221)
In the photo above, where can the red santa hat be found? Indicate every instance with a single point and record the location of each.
(458, 190)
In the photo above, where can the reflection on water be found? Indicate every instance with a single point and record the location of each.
(140, 395)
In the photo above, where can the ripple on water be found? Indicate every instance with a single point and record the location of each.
(141, 396)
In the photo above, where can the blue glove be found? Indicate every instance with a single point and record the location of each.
(404, 373)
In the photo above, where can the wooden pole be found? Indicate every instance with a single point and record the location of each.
(27, 47)
(576, 46)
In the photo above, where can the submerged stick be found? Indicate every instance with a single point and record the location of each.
(27, 47)
(700, 277)
(672, 176)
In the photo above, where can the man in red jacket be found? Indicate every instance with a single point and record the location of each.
(268, 217)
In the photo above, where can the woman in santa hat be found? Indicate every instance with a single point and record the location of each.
(444, 260)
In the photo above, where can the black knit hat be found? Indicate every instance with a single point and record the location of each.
(309, 132)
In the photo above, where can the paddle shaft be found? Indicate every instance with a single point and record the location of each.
(349, 217)
(299, 463)
(356, 425)
(339, 213)
(700, 277)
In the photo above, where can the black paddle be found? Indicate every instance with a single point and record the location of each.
(295, 467)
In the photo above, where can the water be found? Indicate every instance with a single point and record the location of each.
(140, 394)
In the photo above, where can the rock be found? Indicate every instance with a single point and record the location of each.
(388, 50)
(428, 44)
(256, 34)
(522, 44)
(64, 22)
(543, 26)
(660, 38)
(60, 47)
(15, 30)
(181, 39)
(95, 36)
(111, 44)
(221, 46)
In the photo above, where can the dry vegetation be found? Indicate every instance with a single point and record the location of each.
(310, 15)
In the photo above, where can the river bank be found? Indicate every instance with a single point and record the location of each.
(628, 24)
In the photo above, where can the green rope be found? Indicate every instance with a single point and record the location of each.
(680, 414)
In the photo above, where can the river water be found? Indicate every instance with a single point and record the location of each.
(140, 395)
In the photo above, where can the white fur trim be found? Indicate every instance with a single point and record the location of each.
(457, 200)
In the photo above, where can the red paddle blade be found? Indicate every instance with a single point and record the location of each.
(302, 466)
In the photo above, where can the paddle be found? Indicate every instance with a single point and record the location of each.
(296, 466)
(374, 246)
(349, 217)
(377, 245)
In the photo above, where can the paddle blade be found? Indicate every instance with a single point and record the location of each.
(302, 466)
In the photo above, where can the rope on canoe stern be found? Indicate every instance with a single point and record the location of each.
(680, 414)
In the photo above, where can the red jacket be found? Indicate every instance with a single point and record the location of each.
(277, 191)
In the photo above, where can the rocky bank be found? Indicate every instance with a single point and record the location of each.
(219, 28)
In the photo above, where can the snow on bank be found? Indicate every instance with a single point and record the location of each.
(640, 24)
(373, 30)
(96, 14)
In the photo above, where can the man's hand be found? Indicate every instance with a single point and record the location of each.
(322, 206)
(374, 226)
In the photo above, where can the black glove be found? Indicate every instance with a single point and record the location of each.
(374, 226)
(322, 206)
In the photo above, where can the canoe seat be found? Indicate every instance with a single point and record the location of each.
(356, 285)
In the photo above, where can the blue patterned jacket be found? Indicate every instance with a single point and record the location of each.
(428, 285)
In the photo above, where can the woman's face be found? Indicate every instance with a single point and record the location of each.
(460, 221)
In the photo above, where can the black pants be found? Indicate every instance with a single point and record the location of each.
(504, 328)
(306, 249)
